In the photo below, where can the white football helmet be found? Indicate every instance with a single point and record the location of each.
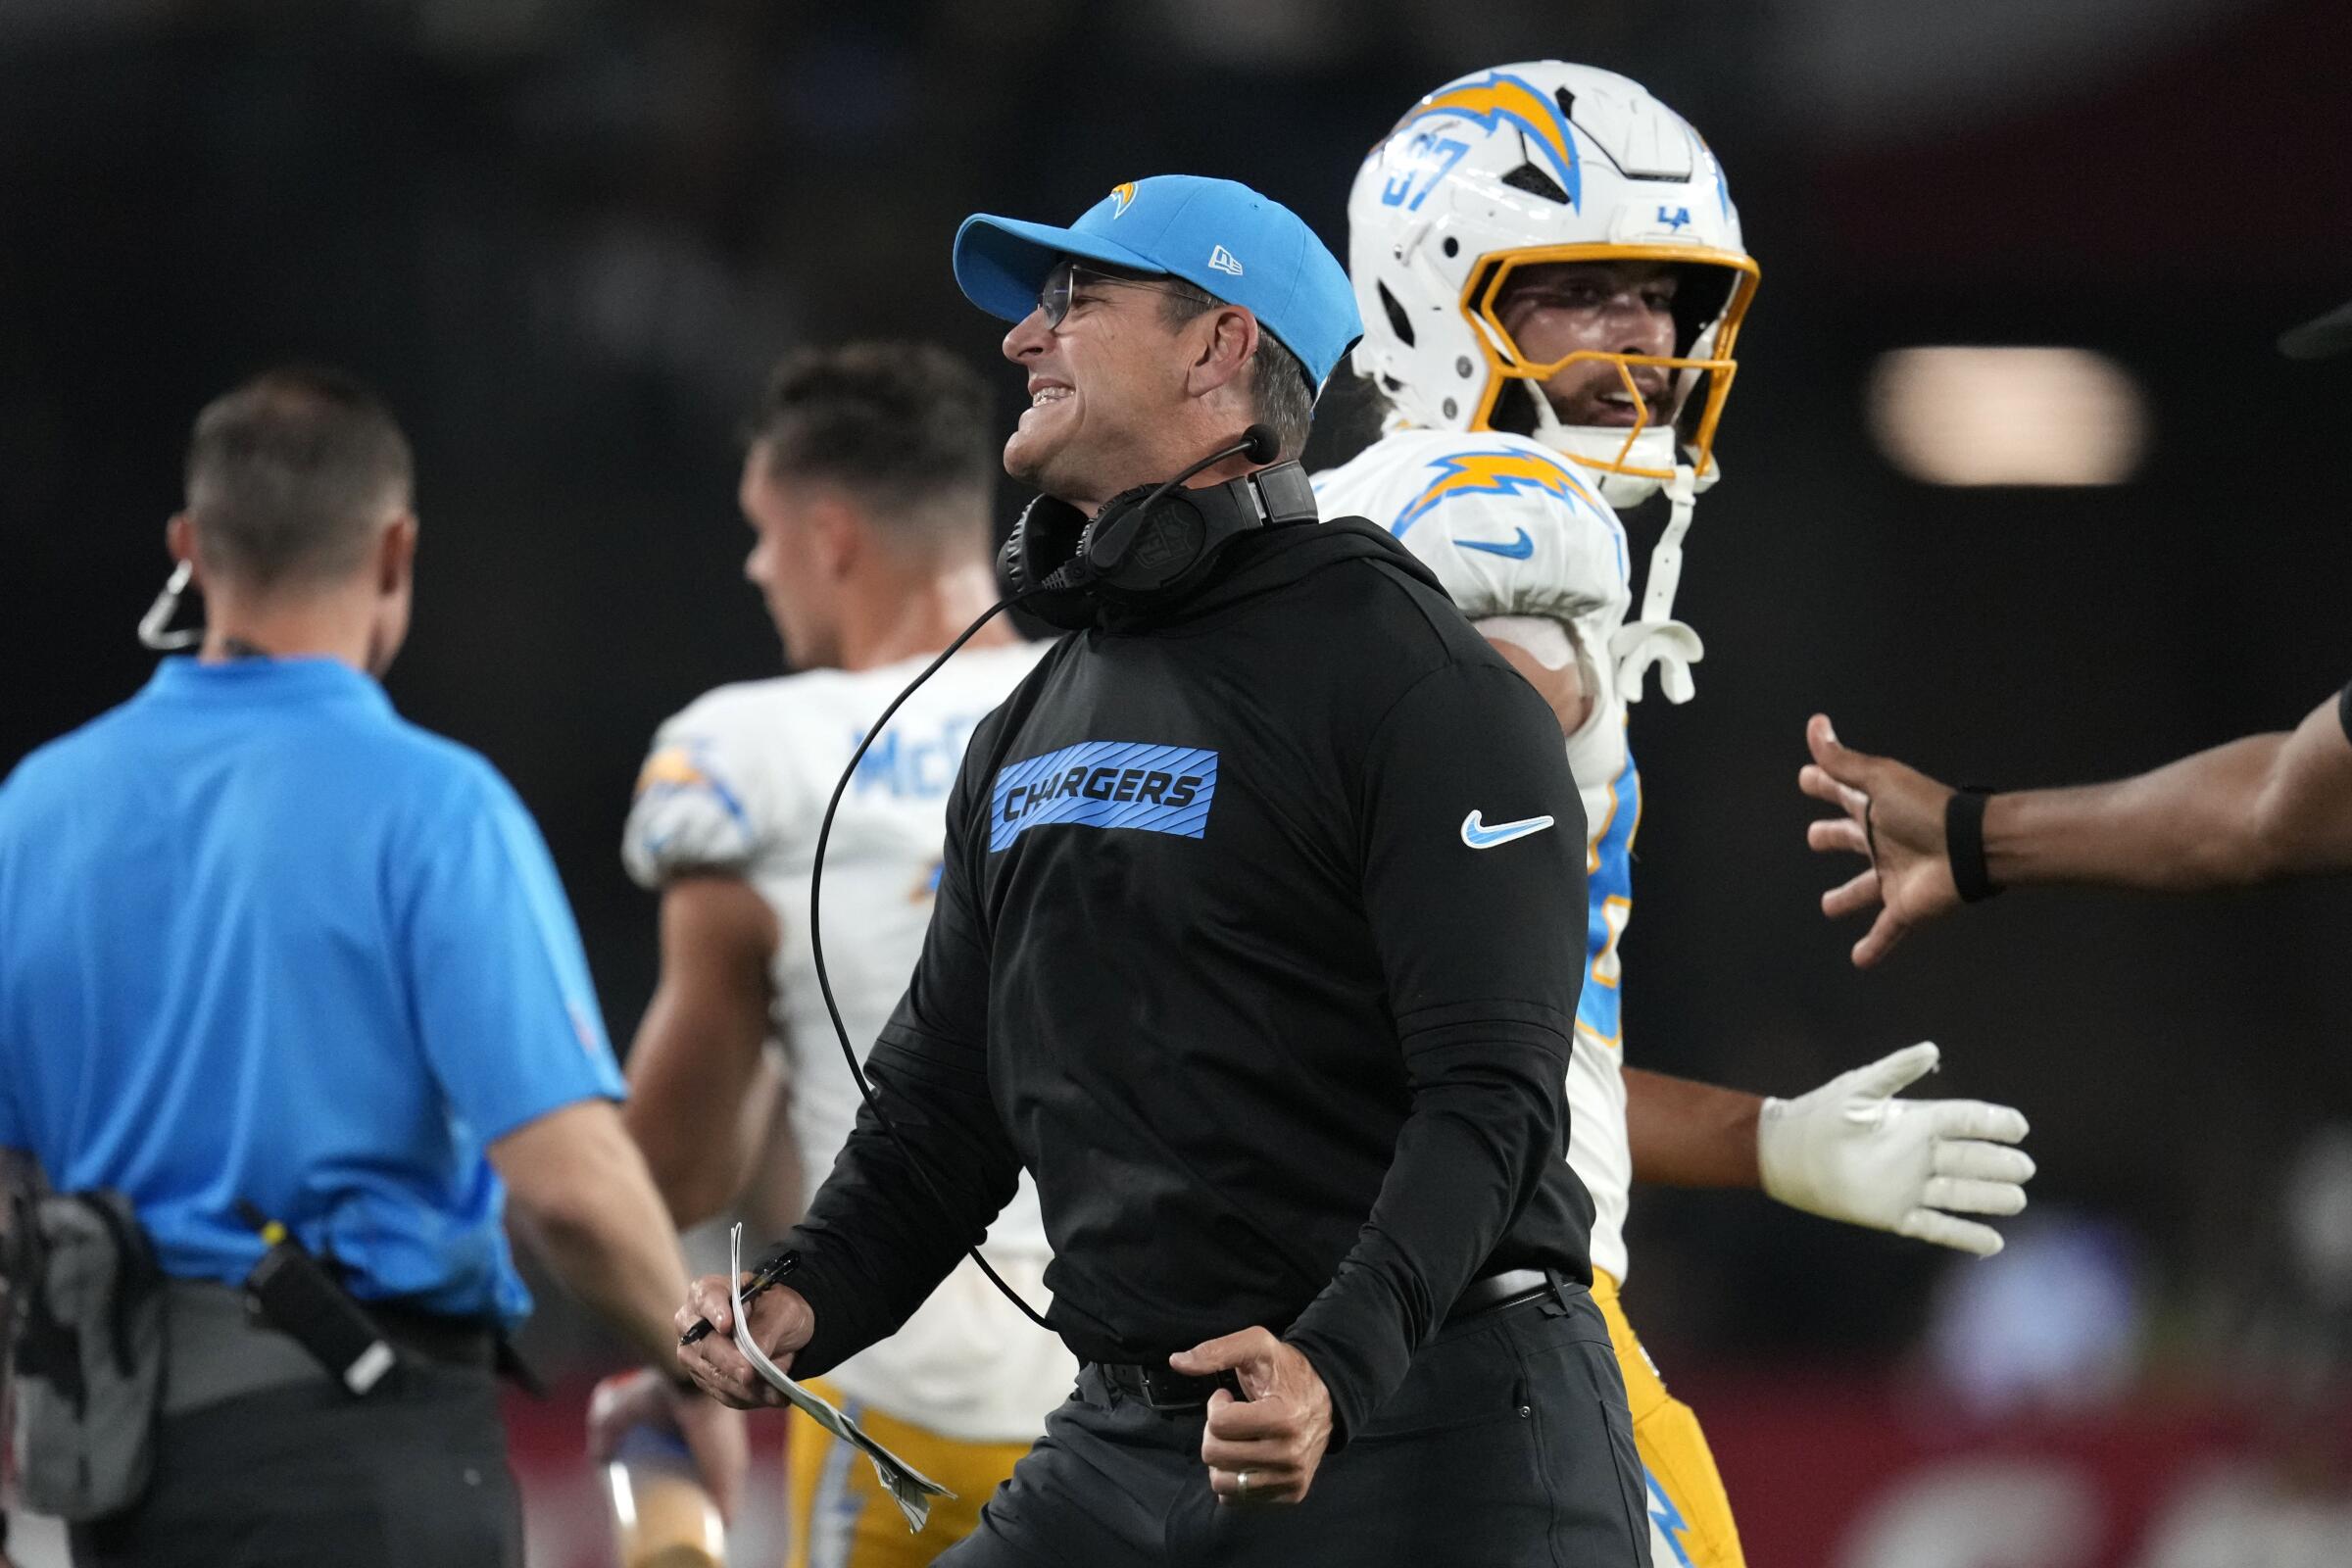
(1530, 163)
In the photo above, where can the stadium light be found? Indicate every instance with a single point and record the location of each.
(2008, 416)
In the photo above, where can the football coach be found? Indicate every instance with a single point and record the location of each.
(1258, 942)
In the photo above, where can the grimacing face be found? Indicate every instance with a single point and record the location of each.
(1562, 308)
(1102, 386)
(784, 565)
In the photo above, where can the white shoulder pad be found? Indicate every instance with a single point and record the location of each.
(1510, 526)
(709, 797)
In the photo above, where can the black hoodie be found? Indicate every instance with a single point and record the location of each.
(1258, 942)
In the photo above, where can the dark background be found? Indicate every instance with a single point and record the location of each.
(565, 237)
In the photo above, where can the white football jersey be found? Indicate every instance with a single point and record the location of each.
(738, 782)
(1513, 528)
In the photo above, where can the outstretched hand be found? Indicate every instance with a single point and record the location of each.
(1894, 820)
(1266, 1449)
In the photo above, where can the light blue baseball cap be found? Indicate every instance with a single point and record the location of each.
(1243, 248)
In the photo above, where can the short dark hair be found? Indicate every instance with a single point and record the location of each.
(290, 474)
(903, 424)
(1280, 394)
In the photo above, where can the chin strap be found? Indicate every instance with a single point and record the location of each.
(1658, 638)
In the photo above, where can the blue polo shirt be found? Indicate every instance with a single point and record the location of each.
(262, 937)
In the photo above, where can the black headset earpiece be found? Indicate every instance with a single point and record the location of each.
(1141, 538)
(1167, 540)
(1150, 540)
(1043, 541)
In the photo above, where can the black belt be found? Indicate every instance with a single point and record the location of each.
(1497, 1291)
(454, 1341)
(1163, 1387)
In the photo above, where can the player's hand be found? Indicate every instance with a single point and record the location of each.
(1894, 819)
(621, 1404)
(713, 1435)
(1266, 1449)
(1851, 1151)
(782, 1321)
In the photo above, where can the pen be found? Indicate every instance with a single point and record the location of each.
(774, 1269)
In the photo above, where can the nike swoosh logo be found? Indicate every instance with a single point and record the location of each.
(1518, 549)
(1481, 837)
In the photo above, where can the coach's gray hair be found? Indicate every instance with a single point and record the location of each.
(290, 475)
(1280, 394)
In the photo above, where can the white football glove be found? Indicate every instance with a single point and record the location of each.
(1851, 1151)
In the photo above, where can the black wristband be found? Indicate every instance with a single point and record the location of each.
(1964, 843)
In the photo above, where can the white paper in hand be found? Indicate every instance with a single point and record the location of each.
(912, 1490)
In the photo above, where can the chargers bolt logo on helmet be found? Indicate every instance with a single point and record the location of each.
(1530, 165)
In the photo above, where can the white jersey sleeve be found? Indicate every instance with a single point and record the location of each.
(709, 797)
(1511, 527)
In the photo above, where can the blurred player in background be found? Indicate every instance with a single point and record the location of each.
(2255, 810)
(868, 487)
(1551, 279)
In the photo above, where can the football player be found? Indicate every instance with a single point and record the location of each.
(1552, 284)
(868, 488)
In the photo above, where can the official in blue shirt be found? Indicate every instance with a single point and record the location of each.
(267, 943)
(307, 955)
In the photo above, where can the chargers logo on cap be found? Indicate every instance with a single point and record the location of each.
(1121, 194)
(1501, 99)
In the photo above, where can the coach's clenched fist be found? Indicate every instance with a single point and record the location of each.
(1266, 1449)
(781, 1323)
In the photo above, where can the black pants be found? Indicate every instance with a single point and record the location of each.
(413, 1474)
(1509, 1444)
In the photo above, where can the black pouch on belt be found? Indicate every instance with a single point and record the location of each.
(87, 1305)
(292, 1292)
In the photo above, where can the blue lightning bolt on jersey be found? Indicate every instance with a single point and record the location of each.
(1609, 881)
(1672, 1526)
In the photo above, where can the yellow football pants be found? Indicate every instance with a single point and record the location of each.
(1687, 1507)
(840, 1515)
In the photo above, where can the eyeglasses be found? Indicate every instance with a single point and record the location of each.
(1061, 287)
